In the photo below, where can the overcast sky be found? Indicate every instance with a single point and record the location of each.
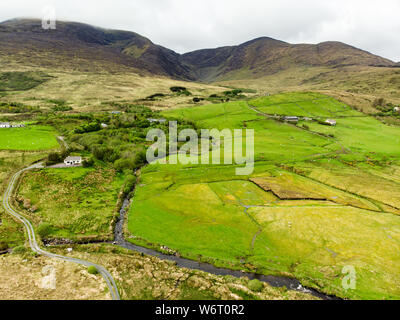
(186, 25)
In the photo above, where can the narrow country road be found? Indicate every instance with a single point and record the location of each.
(35, 247)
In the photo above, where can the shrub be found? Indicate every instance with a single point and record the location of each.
(255, 285)
(185, 93)
(198, 99)
(87, 163)
(89, 127)
(59, 108)
(44, 230)
(122, 164)
(3, 246)
(93, 270)
(129, 184)
(19, 250)
(156, 95)
(140, 159)
(178, 89)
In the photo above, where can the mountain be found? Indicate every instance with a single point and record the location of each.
(86, 48)
(83, 47)
(265, 56)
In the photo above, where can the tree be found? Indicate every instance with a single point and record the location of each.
(87, 163)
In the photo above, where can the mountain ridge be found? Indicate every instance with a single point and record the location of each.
(79, 45)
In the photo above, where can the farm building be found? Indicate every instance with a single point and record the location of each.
(104, 125)
(331, 122)
(8, 125)
(157, 120)
(291, 119)
(72, 161)
(397, 109)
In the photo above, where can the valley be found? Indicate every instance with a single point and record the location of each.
(323, 197)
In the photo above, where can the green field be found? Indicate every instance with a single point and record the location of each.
(30, 138)
(304, 212)
(77, 203)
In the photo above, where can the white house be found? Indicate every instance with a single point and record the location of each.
(397, 109)
(73, 161)
(104, 125)
(331, 122)
(9, 125)
(157, 120)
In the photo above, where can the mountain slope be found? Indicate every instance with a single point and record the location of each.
(86, 48)
(265, 56)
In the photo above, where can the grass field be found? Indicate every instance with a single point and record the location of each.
(305, 210)
(30, 138)
(77, 203)
(95, 91)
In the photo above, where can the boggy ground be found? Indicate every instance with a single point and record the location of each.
(143, 277)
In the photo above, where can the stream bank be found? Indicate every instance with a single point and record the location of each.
(274, 281)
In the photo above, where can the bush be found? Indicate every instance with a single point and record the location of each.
(140, 159)
(19, 250)
(87, 163)
(44, 230)
(93, 270)
(122, 164)
(53, 157)
(154, 96)
(89, 127)
(3, 246)
(178, 89)
(129, 184)
(255, 285)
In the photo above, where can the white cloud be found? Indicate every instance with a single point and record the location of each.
(185, 25)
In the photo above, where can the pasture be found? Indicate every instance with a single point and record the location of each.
(74, 203)
(305, 210)
(30, 138)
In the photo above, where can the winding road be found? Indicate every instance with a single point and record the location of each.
(34, 245)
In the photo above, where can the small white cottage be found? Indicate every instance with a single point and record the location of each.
(331, 122)
(73, 161)
(5, 125)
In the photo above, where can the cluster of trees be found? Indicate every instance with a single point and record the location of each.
(123, 143)
(180, 91)
(15, 107)
(57, 157)
(386, 109)
(88, 127)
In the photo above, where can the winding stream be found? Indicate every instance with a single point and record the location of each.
(274, 281)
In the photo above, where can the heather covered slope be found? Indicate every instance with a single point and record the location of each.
(266, 56)
(83, 47)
